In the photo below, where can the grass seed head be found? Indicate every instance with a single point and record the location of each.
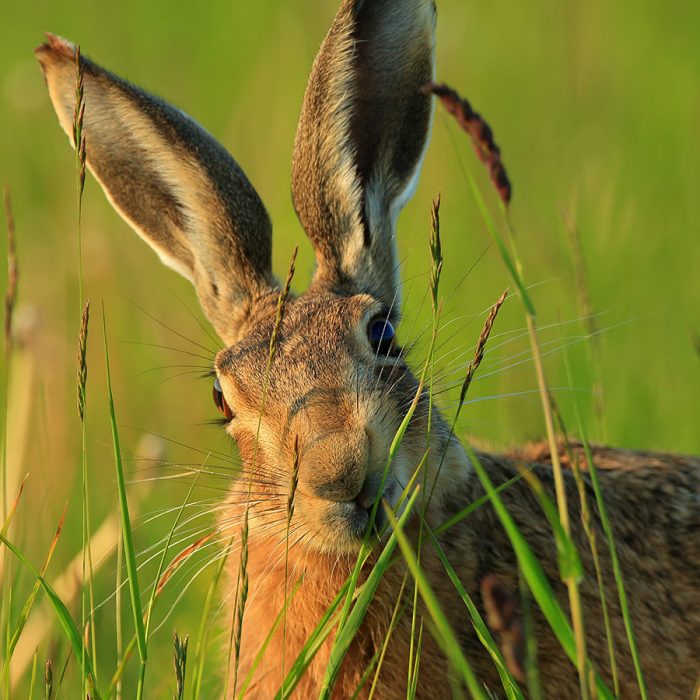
(481, 134)
(481, 345)
(435, 252)
(82, 360)
(180, 658)
(48, 680)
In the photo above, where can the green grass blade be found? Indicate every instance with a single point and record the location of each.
(381, 654)
(32, 682)
(534, 575)
(510, 685)
(127, 535)
(612, 547)
(348, 631)
(29, 603)
(617, 570)
(316, 639)
(462, 514)
(445, 636)
(64, 617)
(570, 565)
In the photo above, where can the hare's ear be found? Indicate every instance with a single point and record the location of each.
(173, 183)
(363, 131)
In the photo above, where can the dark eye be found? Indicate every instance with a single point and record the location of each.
(382, 336)
(220, 401)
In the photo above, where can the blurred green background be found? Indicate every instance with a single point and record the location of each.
(596, 107)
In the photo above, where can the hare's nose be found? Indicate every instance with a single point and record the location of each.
(335, 466)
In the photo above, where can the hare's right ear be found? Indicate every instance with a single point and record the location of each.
(173, 183)
(363, 131)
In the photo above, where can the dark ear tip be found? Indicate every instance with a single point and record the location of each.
(55, 49)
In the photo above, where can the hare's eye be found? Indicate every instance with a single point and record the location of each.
(382, 336)
(220, 401)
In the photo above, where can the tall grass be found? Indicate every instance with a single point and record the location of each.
(20, 596)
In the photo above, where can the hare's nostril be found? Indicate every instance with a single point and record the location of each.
(369, 492)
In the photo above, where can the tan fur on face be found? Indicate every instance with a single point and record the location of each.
(341, 403)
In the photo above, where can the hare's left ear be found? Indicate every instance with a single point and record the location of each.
(363, 131)
(173, 183)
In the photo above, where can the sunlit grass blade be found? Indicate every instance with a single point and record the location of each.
(48, 680)
(10, 302)
(510, 685)
(159, 584)
(468, 510)
(66, 621)
(617, 570)
(534, 575)
(413, 689)
(27, 607)
(445, 637)
(127, 535)
(514, 266)
(32, 675)
(13, 507)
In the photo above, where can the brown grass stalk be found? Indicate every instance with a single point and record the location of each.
(481, 135)
(180, 559)
(12, 270)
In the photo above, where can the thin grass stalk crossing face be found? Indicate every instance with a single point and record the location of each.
(12, 275)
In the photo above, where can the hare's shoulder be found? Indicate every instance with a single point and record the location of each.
(607, 458)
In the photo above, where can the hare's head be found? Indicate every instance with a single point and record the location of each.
(338, 387)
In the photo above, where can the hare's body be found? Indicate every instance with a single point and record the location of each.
(315, 388)
(658, 547)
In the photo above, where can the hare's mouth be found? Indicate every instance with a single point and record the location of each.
(352, 518)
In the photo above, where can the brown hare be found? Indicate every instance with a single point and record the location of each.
(338, 387)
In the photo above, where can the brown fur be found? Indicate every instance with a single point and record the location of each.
(330, 394)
